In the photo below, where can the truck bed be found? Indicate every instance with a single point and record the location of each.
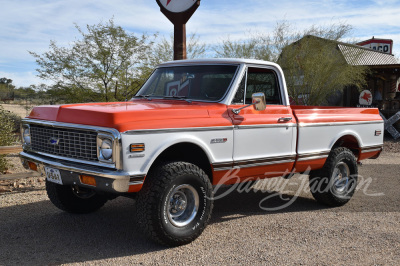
(321, 128)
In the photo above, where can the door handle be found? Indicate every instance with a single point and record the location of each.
(285, 119)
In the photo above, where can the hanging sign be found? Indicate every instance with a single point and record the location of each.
(365, 98)
(177, 6)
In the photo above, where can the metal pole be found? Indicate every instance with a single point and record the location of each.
(180, 41)
(179, 20)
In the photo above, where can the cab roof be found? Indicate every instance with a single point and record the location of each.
(217, 61)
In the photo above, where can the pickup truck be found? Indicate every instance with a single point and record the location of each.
(190, 126)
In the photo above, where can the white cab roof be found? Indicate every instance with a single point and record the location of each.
(217, 61)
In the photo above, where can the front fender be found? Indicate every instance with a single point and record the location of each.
(156, 143)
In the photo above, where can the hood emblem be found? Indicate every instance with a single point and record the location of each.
(54, 141)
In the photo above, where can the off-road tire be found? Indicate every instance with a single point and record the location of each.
(327, 186)
(64, 198)
(154, 201)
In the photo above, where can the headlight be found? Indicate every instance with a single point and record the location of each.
(26, 135)
(105, 148)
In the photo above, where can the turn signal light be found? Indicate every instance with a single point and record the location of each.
(88, 180)
(32, 166)
(137, 147)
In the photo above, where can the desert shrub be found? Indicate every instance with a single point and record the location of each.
(6, 134)
(15, 121)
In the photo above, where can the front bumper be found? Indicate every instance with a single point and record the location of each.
(107, 180)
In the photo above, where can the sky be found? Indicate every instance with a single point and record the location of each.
(29, 25)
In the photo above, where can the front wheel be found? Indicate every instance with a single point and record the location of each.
(175, 203)
(74, 199)
(335, 183)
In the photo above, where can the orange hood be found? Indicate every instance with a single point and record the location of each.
(136, 114)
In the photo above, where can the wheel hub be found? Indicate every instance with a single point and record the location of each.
(178, 203)
(341, 179)
(183, 205)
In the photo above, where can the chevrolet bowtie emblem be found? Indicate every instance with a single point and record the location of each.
(54, 141)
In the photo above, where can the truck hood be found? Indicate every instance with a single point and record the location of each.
(137, 114)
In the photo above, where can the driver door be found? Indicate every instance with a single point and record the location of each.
(264, 141)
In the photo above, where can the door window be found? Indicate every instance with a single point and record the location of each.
(258, 80)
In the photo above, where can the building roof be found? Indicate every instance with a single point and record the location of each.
(360, 56)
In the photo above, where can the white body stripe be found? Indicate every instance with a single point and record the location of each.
(313, 139)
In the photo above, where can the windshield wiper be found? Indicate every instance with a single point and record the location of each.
(178, 97)
(146, 96)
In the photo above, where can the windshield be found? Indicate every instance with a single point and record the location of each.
(202, 83)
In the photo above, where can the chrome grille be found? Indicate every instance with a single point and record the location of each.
(65, 142)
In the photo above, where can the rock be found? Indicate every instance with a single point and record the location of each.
(4, 189)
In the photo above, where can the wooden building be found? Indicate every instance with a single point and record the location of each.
(383, 82)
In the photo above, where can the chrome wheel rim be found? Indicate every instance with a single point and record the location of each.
(183, 205)
(341, 177)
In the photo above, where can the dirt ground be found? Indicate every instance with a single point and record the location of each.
(21, 110)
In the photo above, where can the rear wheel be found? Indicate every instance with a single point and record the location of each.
(335, 183)
(74, 199)
(175, 203)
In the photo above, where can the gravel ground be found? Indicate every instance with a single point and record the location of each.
(21, 185)
(366, 231)
(391, 146)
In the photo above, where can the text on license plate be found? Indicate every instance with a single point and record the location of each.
(53, 175)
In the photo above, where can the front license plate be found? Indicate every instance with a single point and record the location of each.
(53, 175)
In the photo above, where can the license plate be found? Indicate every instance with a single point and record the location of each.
(53, 175)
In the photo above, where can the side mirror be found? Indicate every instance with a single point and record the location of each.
(258, 100)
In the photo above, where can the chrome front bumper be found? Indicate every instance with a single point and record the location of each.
(107, 180)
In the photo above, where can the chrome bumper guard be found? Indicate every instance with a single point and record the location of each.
(107, 180)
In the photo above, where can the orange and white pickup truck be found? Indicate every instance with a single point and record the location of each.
(190, 126)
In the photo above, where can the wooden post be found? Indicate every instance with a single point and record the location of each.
(177, 14)
(10, 149)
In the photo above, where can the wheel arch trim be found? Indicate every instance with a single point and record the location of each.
(176, 141)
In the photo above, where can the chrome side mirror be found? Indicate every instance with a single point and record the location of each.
(258, 100)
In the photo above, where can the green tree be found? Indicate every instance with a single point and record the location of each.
(6, 89)
(25, 93)
(269, 46)
(313, 67)
(315, 70)
(93, 64)
(254, 46)
(163, 50)
(5, 81)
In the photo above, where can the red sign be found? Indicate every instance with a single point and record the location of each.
(381, 45)
(365, 97)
